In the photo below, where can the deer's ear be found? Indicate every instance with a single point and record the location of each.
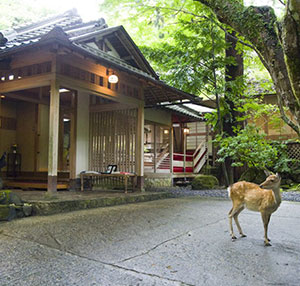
(267, 172)
(277, 175)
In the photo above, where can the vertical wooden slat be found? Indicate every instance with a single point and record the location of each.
(113, 141)
(140, 148)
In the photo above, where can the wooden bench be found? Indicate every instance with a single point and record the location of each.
(123, 175)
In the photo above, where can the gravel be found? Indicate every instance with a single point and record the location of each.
(222, 193)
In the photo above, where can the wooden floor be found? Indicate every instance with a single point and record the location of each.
(184, 175)
(33, 185)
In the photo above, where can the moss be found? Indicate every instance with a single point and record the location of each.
(7, 212)
(157, 183)
(202, 182)
(5, 197)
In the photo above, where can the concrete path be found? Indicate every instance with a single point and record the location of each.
(182, 241)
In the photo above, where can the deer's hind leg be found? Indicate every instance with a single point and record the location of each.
(235, 216)
(266, 219)
(234, 212)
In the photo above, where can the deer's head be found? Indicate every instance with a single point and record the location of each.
(271, 182)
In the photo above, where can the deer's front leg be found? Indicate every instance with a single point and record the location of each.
(266, 219)
(230, 225)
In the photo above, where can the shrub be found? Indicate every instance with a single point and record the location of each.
(202, 182)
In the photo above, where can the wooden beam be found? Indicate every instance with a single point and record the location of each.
(110, 107)
(95, 89)
(53, 137)
(26, 83)
(26, 98)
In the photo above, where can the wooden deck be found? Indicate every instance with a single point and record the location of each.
(33, 185)
(184, 175)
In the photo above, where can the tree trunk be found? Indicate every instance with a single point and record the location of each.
(232, 72)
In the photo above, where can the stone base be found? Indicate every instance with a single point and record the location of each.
(74, 185)
(52, 184)
(151, 183)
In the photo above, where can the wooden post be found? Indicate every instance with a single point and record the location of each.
(140, 149)
(53, 137)
(171, 149)
(72, 152)
(0, 127)
(155, 148)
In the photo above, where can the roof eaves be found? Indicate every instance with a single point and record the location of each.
(111, 59)
(87, 36)
(146, 63)
(184, 111)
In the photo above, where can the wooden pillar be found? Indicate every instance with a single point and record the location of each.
(155, 148)
(53, 137)
(140, 149)
(0, 126)
(171, 149)
(73, 137)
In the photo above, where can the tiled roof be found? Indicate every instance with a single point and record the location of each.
(190, 112)
(70, 22)
(69, 28)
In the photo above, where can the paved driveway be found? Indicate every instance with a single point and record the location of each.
(182, 241)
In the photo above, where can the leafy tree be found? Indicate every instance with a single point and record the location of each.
(17, 12)
(193, 59)
(274, 41)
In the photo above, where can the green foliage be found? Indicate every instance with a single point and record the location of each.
(253, 175)
(250, 147)
(247, 147)
(204, 182)
(17, 12)
(180, 39)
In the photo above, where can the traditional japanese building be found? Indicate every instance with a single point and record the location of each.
(79, 96)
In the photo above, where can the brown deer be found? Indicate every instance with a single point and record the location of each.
(265, 199)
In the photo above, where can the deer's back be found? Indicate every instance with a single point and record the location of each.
(253, 197)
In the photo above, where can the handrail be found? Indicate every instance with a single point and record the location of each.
(199, 147)
(181, 154)
(164, 154)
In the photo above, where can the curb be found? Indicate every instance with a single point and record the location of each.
(54, 207)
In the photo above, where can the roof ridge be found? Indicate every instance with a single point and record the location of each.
(69, 13)
(100, 21)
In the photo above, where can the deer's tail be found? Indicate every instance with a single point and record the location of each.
(229, 190)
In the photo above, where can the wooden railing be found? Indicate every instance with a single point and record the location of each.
(157, 161)
(191, 163)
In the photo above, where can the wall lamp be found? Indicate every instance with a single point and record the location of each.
(186, 130)
(112, 78)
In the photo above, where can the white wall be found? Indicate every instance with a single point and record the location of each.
(82, 133)
(158, 116)
(43, 131)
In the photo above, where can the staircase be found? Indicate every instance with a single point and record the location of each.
(191, 162)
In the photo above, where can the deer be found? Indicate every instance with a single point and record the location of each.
(265, 198)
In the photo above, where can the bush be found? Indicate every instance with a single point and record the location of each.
(203, 182)
(253, 175)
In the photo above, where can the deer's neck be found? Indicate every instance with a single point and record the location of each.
(277, 194)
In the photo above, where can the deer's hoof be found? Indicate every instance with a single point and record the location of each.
(243, 235)
(267, 243)
(233, 238)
